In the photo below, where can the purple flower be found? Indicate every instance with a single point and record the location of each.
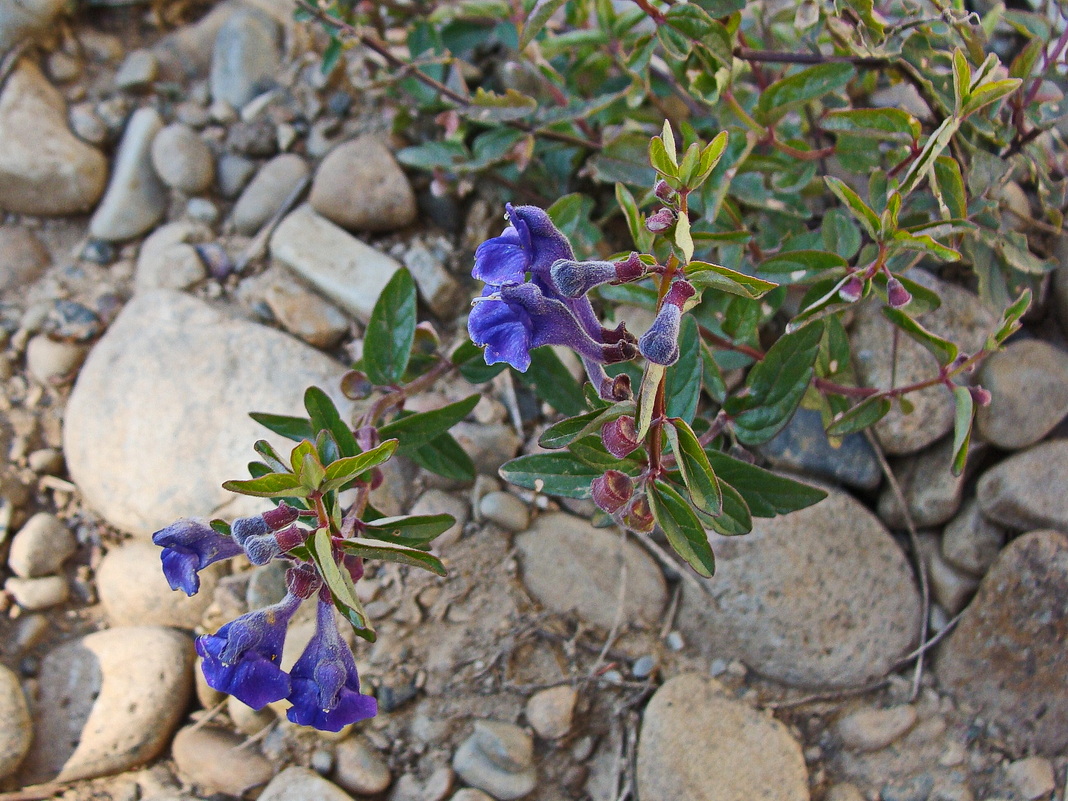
(660, 344)
(326, 688)
(188, 547)
(242, 658)
(530, 243)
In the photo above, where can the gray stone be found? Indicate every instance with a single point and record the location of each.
(961, 318)
(17, 732)
(234, 172)
(300, 784)
(439, 289)
(41, 546)
(167, 258)
(970, 542)
(1031, 777)
(305, 314)
(815, 598)
(262, 198)
(360, 187)
(1006, 656)
(872, 729)
(743, 753)
(22, 19)
(87, 125)
(438, 502)
(1028, 382)
(136, 199)
(497, 758)
(132, 402)
(506, 745)
(551, 711)
(137, 71)
(44, 168)
(570, 566)
(22, 258)
(844, 792)
(349, 272)
(52, 362)
(471, 794)
(108, 702)
(917, 788)
(488, 445)
(182, 159)
(266, 585)
(202, 210)
(933, 494)
(803, 446)
(504, 509)
(952, 588)
(360, 768)
(1026, 490)
(33, 594)
(246, 58)
(134, 591)
(247, 720)
(209, 757)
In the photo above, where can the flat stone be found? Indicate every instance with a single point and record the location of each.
(803, 446)
(505, 509)
(51, 362)
(264, 196)
(137, 71)
(183, 160)
(133, 401)
(167, 258)
(33, 594)
(872, 729)
(41, 546)
(1028, 383)
(360, 186)
(44, 168)
(436, 286)
(246, 58)
(134, 591)
(300, 784)
(17, 732)
(962, 318)
(213, 759)
(497, 758)
(108, 702)
(744, 754)
(933, 494)
(438, 502)
(1031, 777)
(136, 198)
(570, 566)
(551, 711)
(821, 597)
(349, 272)
(233, 174)
(506, 745)
(1025, 491)
(1005, 658)
(360, 768)
(22, 258)
(970, 542)
(305, 314)
(22, 19)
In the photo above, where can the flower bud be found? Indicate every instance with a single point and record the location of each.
(620, 436)
(281, 516)
(639, 517)
(661, 221)
(367, 437)
(245, 528)
(852, 290)
(617, 388)
(629, 269)
(426, 340)
(981, 396)
(660, 344)
(664, 191)
(356, 386)
(261, 549)
(611, 490)
(897, 294)
(302, 582)
(290, 537)
(576, 278)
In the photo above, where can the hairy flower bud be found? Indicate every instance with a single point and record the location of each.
(852, 290)
(639, 517)
(660, 221)
(290, 537)
(620, 436)
(245, 528)
(281, 516)
(302, 582)
(630, 268)
(897, 294)
(664, 191)
(660, 344)
(261, 549)
(981, 396)
(611, 490)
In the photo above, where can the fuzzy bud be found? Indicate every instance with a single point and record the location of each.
(356, 386)
(426, 340)
(620, 436)
(244, 528)
(639, 517)
(853, 289)
(281, 516)
(611, 491)
(664, 191)
(261, 549)
(660, 344)
(290, 537)
(302, 582)
(897, 294)
(661, 221)
(629, 269)
(981, 396)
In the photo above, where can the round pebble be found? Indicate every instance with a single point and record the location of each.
(41, 546)
(206, 757)
(52, 362)
(360, 768)
(1032, 778)
(874, 729)
(497, 758)
(300, 784)
(552, 710)
(506, 510)
(37, 593)
(17, 731)
(1028, 383)
(182, 159)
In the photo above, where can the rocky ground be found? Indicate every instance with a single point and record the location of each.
(198, 223)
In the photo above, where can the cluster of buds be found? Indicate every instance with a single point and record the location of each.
(614, 494)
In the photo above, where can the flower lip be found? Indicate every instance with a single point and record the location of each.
(188, 547)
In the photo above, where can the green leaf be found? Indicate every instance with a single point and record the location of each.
(572, 428)
(735, 519)
(949, 187)
(539, 15)
(962, 427)
(325, 417)
(471, 361)
(296, 456)
(932, 149)
(339, 582)
(552, 382)
(866, 413)
(840, 234)
(492, 107)
(712, 376)
(989, 93)
(391, 331)
(962, 78)
(311, 471)
(554, 473)
(943, 350)
(411, 530)
(1010, 320)
(341, 472)
(418, 429)
(270, 455)
(683, 238)
(801, 87)
(444, 456)
(392, 552)
(642, 237)
(294, 428)
(703, 274)
(272, 485)
(903, 240)
(857, 207)
(800, 266)
(697, 473)
(776, 385)
(330, 56)
(683, 530)
(659, 159)
(884, 124)
(650, 385)
(710, 157)
(682, 382)
(766, 494)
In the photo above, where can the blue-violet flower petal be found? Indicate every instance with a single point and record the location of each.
(188, 547)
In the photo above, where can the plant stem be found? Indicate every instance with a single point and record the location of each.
(726, 344)
(399, 395)
(774, 57)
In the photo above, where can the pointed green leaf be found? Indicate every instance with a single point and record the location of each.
(884, 124)
(650, 385)
(943, 350)
(962, 427)
(345, 470)
(418, 429)
(683, 238)
(294, 428)
(801, 87)
(683, 530)
(735, 519)
(392, 552)
(340, 585)
(325, 416)
(857, 207)
(411, 530)
(553, 473)
(866, 413)
(566, 431)
(390, 332)
(539, 15)
(272, 485)
(703, 274)
(766, 493)
(1010, 320)
(270, 456)
(697, 473)
(682, 381)
(444, 456)
(296, 456)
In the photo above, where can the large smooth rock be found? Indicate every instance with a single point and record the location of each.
(961, 318)
(570, 566)
(262, 198)
(349, 272)
(1006, 657)
(822, 597)
(1026, 490)
(300, 784)
(44, 168)
(158, 418)
(360, 186)
(21, 19)
(247, 56)
(182, 159)
(1028, 383)
(699, 744)
(22, 257)
(214, 759)
(932, 493)
(803, 446)
(17, 731)
(136, 198)
(108, 702)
